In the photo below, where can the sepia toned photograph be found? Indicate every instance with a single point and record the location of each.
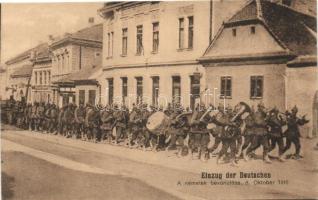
(159, 100)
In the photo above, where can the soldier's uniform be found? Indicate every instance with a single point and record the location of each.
(199, 136)
(120, 123)
(135, 122)
(292, 132)
(61, 121)
(68, 120)
(176, 131)
(275, 132)
(33, 122)
(79, 115)
(53, 118)
(261, 133)
(46, 121)
(27, 115)
(146, 135)
(93, 122)
(107, 120)
(40, 117)
(227, 133)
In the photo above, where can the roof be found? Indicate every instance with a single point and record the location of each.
(24, 71)
(82, 75)
(27, 54)
(92, 34)
(291, 29)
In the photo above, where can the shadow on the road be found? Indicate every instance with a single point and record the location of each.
(7, 184)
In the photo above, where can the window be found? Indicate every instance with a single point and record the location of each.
(155, 37)
(155, 90)
(110, 90)
(81, 97)
(91, 96)
(49, 77)
(124, 41)
(112, 43)
(253, 30)
(181, 33)
(176, 89)
(234, 32)
(108, 44)
(40, 78)
(190, 33)
(139, 40)
(124, 88)
(226, 87)
(36, 77)
(139, 89)
(44, 74)
(195, 89)
(257, 83)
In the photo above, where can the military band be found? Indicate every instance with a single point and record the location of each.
(238, 132)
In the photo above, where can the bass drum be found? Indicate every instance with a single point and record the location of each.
(157, 122)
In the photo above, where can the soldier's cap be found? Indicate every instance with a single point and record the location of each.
(261, 105)
(294, 109)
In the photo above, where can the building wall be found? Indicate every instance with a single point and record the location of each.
(86, 88)
(244, 42)
(302, 86)
(165, 83)
(167, 14)
(42, 92)
(89, 57)
(19, 83)
(273, 92)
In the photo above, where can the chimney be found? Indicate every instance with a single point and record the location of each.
(91, 21)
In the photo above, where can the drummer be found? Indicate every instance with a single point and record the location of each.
(175, 130)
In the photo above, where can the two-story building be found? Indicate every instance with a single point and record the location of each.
(41, 76)
(76, 60)
(266, 52)
(19, 72)
(150, 50)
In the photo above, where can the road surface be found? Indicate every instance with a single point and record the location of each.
(40, 166)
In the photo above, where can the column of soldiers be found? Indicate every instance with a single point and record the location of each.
(187, 132)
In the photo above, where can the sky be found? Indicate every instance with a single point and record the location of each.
(27, 25)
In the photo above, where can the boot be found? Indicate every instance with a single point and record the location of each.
(267, 160)
(281, 158)
(245, 157)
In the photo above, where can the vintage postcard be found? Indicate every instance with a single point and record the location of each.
(146, 100)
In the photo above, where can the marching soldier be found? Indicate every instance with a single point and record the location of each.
(33, 122)
(216, 133)
(107, 121)
(199, 135)
(79, 115)
(261, 135)
(92, 122)
(176, 130)
(292, 132)
(275, 123)
(40, 116)
(46, 120)
(120, 123)
(135, 121)
(145, 114)
(61, 121)
(53, 117)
